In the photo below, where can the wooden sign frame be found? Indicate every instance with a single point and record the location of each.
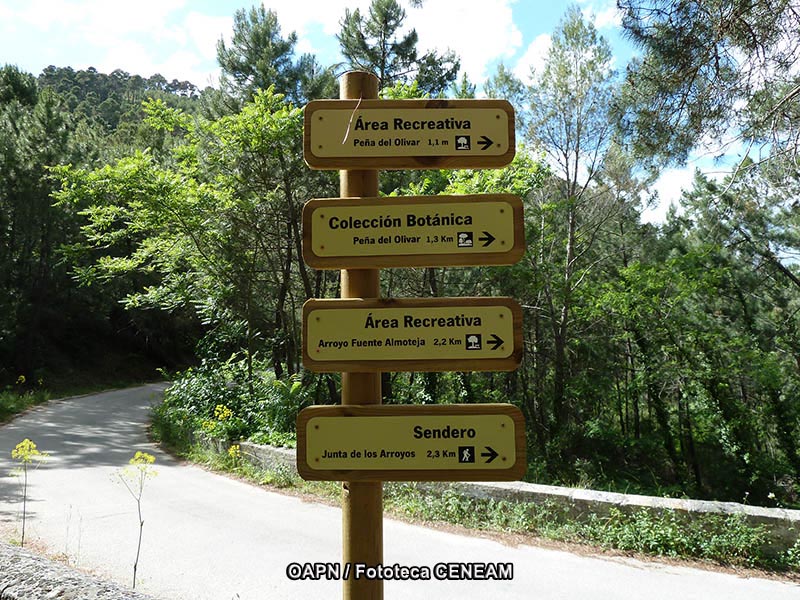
(427, 134)
(496, 231)
(495, 356)
(477, 413)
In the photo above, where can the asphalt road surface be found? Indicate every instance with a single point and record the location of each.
(210, 537)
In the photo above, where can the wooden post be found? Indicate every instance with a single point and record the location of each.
(362, 502)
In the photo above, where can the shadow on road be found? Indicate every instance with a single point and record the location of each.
(99, 430)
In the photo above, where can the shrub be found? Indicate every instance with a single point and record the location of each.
(218, 400)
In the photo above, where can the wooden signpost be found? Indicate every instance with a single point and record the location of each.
(476, 442)
(413, 231)
(361, 442)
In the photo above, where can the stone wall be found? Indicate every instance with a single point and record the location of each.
(783, 525)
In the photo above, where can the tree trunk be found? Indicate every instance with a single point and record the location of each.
(561, 328)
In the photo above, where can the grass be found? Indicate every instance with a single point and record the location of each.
(14, 402)
(726, 540)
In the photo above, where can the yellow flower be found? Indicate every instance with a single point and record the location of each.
(21, 380)
(235, 452)
(222, 412)
(137, 471)
(142, 458)
(26, 452)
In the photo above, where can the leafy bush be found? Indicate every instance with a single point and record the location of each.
(726, 539)
(15, 400)
(721, 538)
(219, 401)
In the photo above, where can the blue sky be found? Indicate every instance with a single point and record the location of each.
(177, 38)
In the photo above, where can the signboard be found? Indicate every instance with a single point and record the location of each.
(414, 231)
(415, 334)
(408, 134)
(471, 442)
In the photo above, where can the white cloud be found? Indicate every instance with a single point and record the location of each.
(294, 15)
(143, 37)
(610, 17)
(205, 31)
(478, 31)
(534, 57)
(604, 13)
(669, 186)
(672, 183)
(98, 19)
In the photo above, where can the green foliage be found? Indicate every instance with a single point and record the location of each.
(17, 86)
(63, 117)
(259, 58)
(657, 359)
(793, 556)
(722, 539)
(709, 66)
(14, 401)
(218, 400)
(373, 43)
(209, 235)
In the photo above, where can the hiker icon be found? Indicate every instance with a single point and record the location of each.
(466, 454)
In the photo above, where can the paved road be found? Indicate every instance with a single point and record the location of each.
(209, 537)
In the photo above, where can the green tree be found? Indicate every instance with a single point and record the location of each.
(259, 57)
(216, 232)
(373, 43)
(464, 88)
(570, 123)
(32, 276)
(504, 84)
(708, 66)
(17, 85)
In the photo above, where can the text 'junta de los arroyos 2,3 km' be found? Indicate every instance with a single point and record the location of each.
(481, 441)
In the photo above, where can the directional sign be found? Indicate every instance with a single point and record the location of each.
(415, 231)
(473, 442)
(417, 334)
(408, 134)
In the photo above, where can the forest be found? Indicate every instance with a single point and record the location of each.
(148, 224)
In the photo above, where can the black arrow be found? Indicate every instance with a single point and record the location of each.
(485, 143)
(495, 341)
(487, 237)
(491, 454)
